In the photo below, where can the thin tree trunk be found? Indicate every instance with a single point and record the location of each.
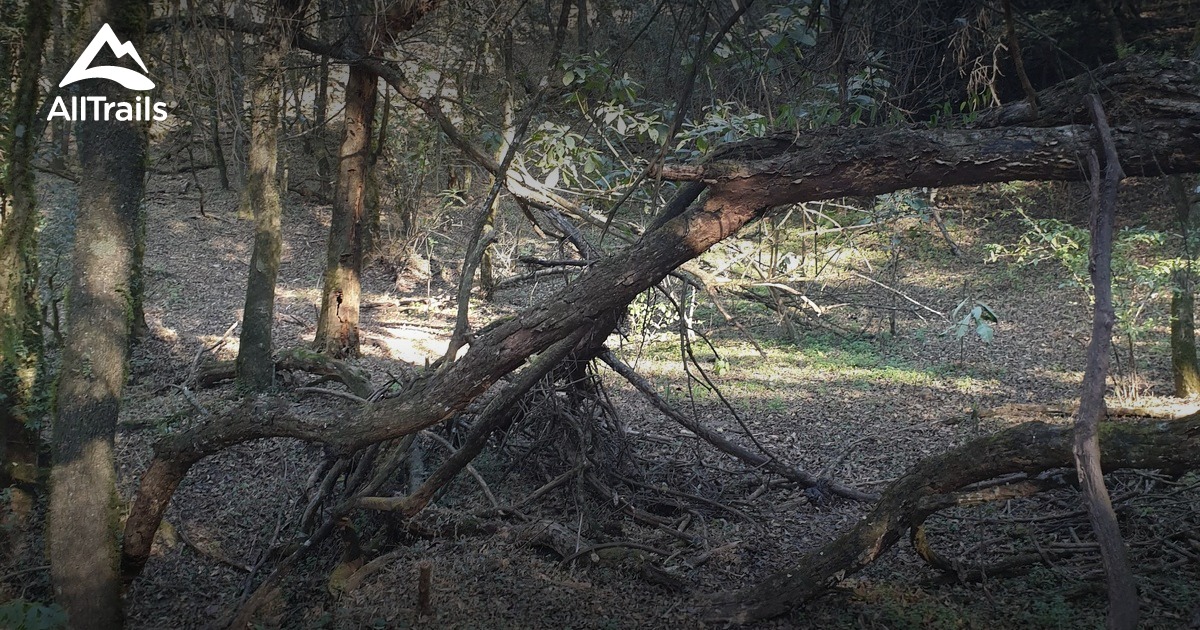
(255, 365)
(337, 328)
(61, 130)
(1183, 324)
(1183, 336)
(321, 111)
(217, 149)
(372, 198)
(237, 90)
(1114, 25)
(82, 524)
(20, 324)
(1122, 590)
(1014, 48)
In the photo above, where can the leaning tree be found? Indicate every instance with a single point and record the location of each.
(1153, 131)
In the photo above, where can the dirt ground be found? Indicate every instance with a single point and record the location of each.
(859, 409)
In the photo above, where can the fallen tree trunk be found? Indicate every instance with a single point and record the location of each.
(744, 182)
(1172, 446)
(1152, 107)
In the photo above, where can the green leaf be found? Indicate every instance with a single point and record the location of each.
(568, 77)
(985, 332)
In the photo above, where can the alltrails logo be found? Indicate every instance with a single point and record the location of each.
(99, 107)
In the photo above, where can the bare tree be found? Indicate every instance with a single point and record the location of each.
(1122, 591)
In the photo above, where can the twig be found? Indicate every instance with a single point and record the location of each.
(187, 394)
(552, 484)
(332, 392)
(723, 444)
(212, 553)
(487, 492)
(609, 545)
(684, 495)
(44, 567)
(194, 370)
(897, 292)
(699, 560)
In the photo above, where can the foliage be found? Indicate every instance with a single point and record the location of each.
(976, 316)
(18, 614)
(1141, 273)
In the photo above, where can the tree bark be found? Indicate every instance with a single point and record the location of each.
(1122, 590)
(315, 141)
(255, 366)
(20, 324)
(337, 327)
(370, 29)
(1183, 321)
(82, 523)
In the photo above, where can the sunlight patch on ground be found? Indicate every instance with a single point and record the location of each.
(408, 343)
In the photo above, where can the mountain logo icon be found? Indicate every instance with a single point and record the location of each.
(131, 79)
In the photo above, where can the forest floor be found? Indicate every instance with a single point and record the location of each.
(858, 408)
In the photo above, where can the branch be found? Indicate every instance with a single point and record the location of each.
(931, 485)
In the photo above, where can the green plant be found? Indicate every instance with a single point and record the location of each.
(19, 614)
(977, 316)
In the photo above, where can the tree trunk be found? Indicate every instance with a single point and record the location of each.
(82, 523)
(371, 199)
(20, 324)
(1183, 336)
(321, 110)
(237, 91)
(1122, 590)
(1183, 324)
(217, 150)
(255, 366)
(337, 327)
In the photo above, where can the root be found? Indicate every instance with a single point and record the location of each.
(295, 360)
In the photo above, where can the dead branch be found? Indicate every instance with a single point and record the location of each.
(1122, 590)
(297, 360)
(499, 413)
(932, 485)
(747, 456)
(1165, 412)
(331, 392)
(627, 544)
